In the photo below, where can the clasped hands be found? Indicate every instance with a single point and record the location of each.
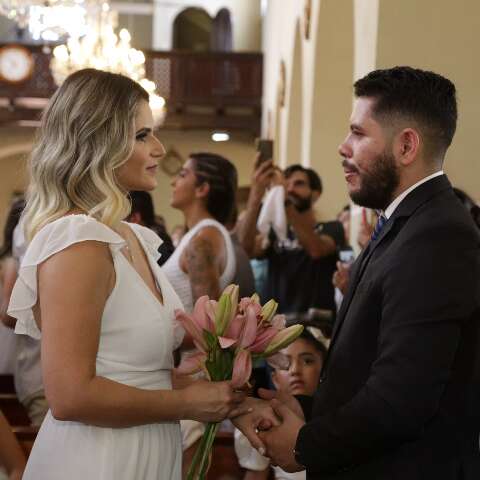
(272, 427)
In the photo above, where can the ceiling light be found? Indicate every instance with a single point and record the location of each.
(220, 137)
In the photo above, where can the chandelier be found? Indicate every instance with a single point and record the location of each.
(19, 10)
(88, 26)
(101, 48)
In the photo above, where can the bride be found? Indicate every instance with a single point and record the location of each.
(90, 288)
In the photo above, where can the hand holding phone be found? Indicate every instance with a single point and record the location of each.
(265, 150)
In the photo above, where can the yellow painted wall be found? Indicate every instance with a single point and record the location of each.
(442, 36)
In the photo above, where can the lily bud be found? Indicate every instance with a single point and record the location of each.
(232, 291)
(222, 314)
(269, 310)
(283, 338)
(255, 298)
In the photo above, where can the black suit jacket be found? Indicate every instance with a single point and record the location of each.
(399, 392)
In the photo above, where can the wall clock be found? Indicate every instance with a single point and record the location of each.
(16, 64)
(172, 162)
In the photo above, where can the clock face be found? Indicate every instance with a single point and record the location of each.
(16, 64)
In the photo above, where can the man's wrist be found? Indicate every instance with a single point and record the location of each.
(256, 198)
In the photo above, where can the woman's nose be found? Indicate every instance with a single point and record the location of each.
(159, 150)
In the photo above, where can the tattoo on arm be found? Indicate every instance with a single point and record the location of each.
(202, 269)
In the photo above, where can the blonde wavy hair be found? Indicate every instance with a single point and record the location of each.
(87, 132)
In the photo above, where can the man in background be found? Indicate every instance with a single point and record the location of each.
(302, 258)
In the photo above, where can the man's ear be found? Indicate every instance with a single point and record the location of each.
(408, 144)
(315, 196)
(202, 190)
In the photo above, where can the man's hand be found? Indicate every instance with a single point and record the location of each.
(247, 227)
(289, 400)
(342, 276)
(262, 417)
(280, 440)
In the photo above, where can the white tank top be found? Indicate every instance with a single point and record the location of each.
(179, 279)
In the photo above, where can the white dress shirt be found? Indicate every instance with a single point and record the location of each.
(393, 206)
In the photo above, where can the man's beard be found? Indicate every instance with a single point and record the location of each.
(301, 204)
(379, 184)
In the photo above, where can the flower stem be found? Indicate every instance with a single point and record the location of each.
(212, 429)
(200, 463)
(191, 475)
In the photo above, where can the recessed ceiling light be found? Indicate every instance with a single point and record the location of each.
(220, 137)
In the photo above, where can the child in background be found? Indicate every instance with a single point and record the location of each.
(305, 359)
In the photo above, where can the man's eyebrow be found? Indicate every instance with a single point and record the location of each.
(144, 130)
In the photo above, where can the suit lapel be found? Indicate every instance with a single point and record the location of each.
(357, 275)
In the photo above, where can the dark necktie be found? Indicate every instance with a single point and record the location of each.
(382, 220)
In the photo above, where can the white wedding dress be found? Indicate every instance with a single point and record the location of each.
(138, 335)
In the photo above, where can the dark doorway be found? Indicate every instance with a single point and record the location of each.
(195, 30)
(192, 30)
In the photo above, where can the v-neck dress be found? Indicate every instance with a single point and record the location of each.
(137, 337)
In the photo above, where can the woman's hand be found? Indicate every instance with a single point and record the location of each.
(262, 417)
(213, 401)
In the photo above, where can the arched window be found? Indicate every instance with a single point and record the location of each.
(192, 30)
(221, 39)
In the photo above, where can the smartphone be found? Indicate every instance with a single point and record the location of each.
(265, 148)
(346, 255)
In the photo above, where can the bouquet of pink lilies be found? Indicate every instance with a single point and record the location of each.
(229, 334)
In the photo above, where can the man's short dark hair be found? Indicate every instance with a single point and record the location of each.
(313, 179)
(425, 97)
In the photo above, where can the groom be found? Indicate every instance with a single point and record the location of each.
(399, 393)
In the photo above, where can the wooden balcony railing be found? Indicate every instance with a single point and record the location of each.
(209, 90)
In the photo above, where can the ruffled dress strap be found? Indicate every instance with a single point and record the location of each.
(149, 239)
(51, 239)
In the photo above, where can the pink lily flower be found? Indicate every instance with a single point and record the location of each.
(226, 342)
(200, 316)
(235, 327)
(279, 361)
(192, 364)
(246, 302)
(249, 331)
(192, 328)
(263, 339)
(242, 369)
(279, 321)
